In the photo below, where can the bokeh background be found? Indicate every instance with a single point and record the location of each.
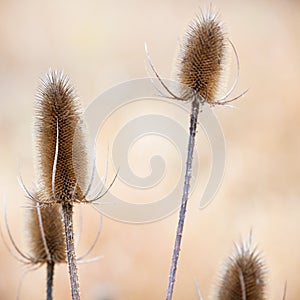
(101, 43)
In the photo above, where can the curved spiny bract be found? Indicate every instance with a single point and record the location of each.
(203, 56)
(62, 159)
(244, 276)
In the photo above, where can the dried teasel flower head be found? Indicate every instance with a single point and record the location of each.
(244, 277)
(202, 56)
(61, 152)
(202, 64)
(46, 233)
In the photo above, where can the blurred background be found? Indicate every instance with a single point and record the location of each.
(100, 44)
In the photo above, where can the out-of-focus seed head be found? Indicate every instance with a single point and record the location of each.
(46, 234)
(244, 276)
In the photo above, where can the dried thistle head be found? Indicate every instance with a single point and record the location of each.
(62, 159)
(244, 277)
(203, 56)
(46, 234)
(202, 63)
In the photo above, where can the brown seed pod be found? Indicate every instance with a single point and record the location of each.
(46, 234)
(62, 160)
(202, 57)
(244, 276)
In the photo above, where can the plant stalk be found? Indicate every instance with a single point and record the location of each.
(68, 223)
(185, 195)
(50, 273)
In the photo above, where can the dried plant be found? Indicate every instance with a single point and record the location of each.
(201, 64)
(47, 239)
(244, 275)
(202, 57)
(58, 117)
(62, 159)
(62, 168)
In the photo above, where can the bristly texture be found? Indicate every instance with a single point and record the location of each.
(244, 277)
(62, 161)
(46, 238)
(202, 57)
(46, 235)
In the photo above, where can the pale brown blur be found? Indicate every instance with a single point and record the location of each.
(101, 44)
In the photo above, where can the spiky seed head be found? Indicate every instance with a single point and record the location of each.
(203, 56)
(53, 247)
(62, 159)
(244, 276)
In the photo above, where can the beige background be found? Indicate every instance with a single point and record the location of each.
(101, 44)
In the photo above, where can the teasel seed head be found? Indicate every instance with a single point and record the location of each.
(244, 277)
(202, 57)
(46, 234)
(61, 149)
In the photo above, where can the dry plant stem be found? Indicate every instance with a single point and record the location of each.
(68, 222)
(50, 273)
(186, 188)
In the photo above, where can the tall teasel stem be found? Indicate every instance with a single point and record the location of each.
(50, 274)
(201, 64)
(62, 159)
(68, 222)
(186, 188)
